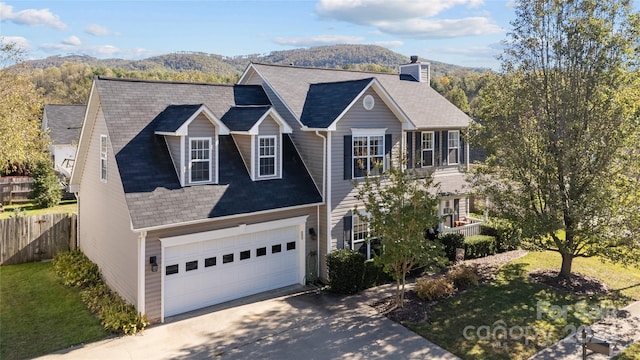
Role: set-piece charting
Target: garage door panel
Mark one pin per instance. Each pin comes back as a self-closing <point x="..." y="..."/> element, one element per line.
<point x="205" y="286"/>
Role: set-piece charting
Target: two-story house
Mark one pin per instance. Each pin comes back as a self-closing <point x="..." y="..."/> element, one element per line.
<point x="62" y="123"/>
<point x="195" y="194"/>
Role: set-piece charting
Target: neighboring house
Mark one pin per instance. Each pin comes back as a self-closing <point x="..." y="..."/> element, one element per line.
<point x="196" y="194"/>
<point x="63" y="123"/>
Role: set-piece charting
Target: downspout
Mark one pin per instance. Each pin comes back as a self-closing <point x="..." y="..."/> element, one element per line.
<point x="142" y="266"/>
<point x="324" y="198"/>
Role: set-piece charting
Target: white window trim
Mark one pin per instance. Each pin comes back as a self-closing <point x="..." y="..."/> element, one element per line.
<point x="274" y="156"/>
<point x="368" y="133"/>
<point x="367" y="240"/>
<point x="449" y="148"/>
<point x="422" y="149"/>
<point x="210" y="161"/>
<point x="103" y="158"/>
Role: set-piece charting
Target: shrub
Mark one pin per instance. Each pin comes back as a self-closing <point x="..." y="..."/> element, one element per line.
<point x="46" y="190"/>
<point x="433" y="289"/>
<point x="451" y="242"/>
<point x="74" y="269"/>
<point x="479" y="246"/>
<point x="374" y="275"/>
<point x="508" y="236"/>
<point x="463" y="277"/>
<point x="346" y="271"/>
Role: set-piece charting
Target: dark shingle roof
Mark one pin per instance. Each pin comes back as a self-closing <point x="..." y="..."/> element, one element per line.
<point x="242" y="118"/>
<point x="64" y="122"/>
<point x="174" y="116"/>
<point x="421" y="103"/>
<point x="151" y="186"/>
<point x="326" y="101"/>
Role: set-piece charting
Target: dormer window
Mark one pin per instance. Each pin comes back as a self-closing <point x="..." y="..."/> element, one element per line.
<point x="200" y="165"/>
<point x="267" y="155"/>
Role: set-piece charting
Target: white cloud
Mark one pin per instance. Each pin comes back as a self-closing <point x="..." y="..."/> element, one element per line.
<point x="319" y="40"/>
<point x="390" y="44"/>
<point x="409" y="18"/>
<point x="365" y="12"/>
<point x="20" y="41"/>
<point x="98" y="30"/>
<point x="439" y="29"/>
<point x="31" y="17"/>
<point x="72" y="40"/>
<point x="99" y="51"/>
<point x="490" y="51"/>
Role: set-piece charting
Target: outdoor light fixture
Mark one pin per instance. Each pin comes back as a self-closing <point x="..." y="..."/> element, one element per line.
<point x="154" y="263"/>
<point x="312" y="233"/>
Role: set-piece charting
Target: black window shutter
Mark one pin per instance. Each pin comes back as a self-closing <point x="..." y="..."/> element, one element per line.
<point x="462" y="145"/>
<point x="410" y="150"/>
<point x="388" y="145"/>
<point x="436" y="149"/>
<point x="348" y="226"/>
<point x="348" y="148"/>
<point x="445" y="148"/>
<point x="418" y="149"/>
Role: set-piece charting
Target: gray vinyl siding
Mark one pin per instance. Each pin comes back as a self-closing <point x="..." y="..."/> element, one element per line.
<point x="105" y="234"/>
<point x="201" y="127"/>
<point x="253" y="79"/>
<point x="243" y="142"/>
<point x="173" y="143"/>
<point x="440" y="152"/>
<point x="268" y="127"/>
<point x="153" y="292"/>
<point x="342" y="191"/>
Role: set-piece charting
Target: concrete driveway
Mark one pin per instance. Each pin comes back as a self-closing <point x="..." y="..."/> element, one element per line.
<point x="304" y="323"/>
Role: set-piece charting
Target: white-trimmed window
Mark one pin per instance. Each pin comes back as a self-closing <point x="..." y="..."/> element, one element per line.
<point x="266" y="156"/>
<point x="103" y="158"/>
<point x="360" y="240"/>
<point x="368" y="155"/>
<point x="427" y="145"/>
<point x="200" y="159"/>
<point x="454" y="147"/>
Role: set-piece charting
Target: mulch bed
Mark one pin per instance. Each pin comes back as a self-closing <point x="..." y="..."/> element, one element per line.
<point x="578" y="284"/>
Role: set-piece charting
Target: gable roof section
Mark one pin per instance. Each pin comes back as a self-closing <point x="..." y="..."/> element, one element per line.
<point x="247" y="119"/>
<point x="175" y="119"/>
<point x="326" y="101"/>
<point x="152" y="188"/>
<point x="64" y="122"/>
<point x="424" y="107"/>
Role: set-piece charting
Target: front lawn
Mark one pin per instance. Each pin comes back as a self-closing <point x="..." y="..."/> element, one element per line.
<point x="65" y="207"/>
<point x="38" y="315"/>
<point x="513" y="318"/>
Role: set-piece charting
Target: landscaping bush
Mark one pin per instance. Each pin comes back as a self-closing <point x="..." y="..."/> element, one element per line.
<point x="463" y="277"/>
<point x="74" y="269"/>
<point x="346" y="271"/>
<point x="479" y="246"/>
<point x="46" y="190"/>
<point x="451" y="242"/>
<point x="508" y="236"/>
<point x="433" y="289"/>
<point x="374" y="275"/>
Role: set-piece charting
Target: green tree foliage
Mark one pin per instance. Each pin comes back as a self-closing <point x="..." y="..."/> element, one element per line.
<point x="21" y="139"/>
<point x="561" y="127"/>
<point x="46" y="187"/>
<point x="459" y="99"/>
<point x="400" y="209"/>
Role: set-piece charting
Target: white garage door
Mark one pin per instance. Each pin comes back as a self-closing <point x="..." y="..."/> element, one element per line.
<point x="209" y="272"/>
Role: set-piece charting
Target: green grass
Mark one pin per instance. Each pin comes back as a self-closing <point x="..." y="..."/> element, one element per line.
<point x="38" y="315"/>
<point x="514" y="303"/>
<point x="65" y="207"/>
<point x="630" y="353"/>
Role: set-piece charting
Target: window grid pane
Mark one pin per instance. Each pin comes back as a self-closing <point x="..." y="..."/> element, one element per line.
<point x="267" y="156"/>
<point x="200" y="160"/>
<point x="368" y="155"/>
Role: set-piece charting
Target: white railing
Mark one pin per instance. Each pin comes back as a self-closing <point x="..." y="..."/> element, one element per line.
<point x="467" y="230"/>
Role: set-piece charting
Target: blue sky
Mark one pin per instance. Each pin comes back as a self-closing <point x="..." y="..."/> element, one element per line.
<point x="462" y="32"/>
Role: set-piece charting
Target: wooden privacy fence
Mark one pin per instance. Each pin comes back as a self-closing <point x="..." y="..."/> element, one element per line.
<point x="33" y="238"/>
<point x="15" y="189"/>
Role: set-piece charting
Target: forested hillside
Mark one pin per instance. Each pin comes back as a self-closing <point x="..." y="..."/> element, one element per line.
<point x="67" y="79"/>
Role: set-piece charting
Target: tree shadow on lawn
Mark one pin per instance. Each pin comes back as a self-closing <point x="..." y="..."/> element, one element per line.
<point x="511" y="317"/>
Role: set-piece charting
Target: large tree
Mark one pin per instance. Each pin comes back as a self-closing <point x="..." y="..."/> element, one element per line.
<point x="399" y="208"/>
<point x="21" y="138"/>
<point x="560" y="126"/>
